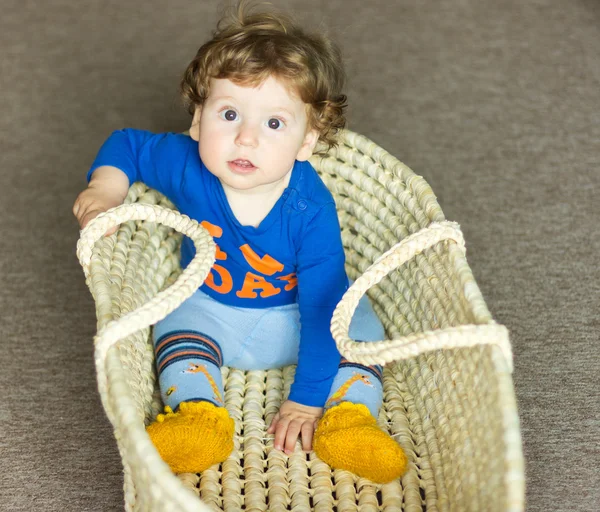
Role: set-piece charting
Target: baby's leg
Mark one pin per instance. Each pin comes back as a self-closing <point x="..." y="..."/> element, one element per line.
<point x="347" y="436"/>
<point x="196" y="431"/>
<point x="188" y="364"/>
<point x="358" y="384"/>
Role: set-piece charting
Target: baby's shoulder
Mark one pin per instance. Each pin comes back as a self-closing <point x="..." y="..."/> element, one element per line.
<point x="176" y="141"/>
<point x="313" y="194"/>
<point x="162" y="144"/>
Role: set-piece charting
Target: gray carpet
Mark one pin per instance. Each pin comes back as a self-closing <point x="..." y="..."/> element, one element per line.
<point x="496" y="104"/>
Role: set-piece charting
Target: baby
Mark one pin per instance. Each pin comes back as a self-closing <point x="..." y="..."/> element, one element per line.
<point x="262" y="94"/>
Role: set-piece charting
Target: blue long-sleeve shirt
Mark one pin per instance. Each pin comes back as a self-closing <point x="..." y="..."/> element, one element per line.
<point x="295" y="254"/>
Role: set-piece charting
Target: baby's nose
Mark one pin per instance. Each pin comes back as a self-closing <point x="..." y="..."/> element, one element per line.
<point x="247" y="135"/>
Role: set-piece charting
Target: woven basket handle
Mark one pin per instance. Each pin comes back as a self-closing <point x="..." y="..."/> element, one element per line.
<point x="382" y="352"/>
<point x="165" y="301"/>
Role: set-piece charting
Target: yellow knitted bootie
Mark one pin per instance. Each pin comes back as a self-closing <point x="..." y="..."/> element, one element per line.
<point x="194" y="438"/>
<point x="347" y="437"/>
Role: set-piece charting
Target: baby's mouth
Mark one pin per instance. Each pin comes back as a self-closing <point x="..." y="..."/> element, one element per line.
<point x="241" y="165"/>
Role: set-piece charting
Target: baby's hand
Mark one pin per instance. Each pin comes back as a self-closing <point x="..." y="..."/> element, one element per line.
<point x="91" y="203"/>
<point x="294" y="419"/>
<point x="107" y="189"/>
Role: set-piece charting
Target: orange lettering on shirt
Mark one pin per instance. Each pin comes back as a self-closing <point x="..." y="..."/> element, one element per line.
<point x="226" y="280"/>
<point x="215" y="232"/>
<point x="212" y="229"/>
<point x="265" y="265"/>
<point x="253" y="282"/>
<point x="292" y="281"/>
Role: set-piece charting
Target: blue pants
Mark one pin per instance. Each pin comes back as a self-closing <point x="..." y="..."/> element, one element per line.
<point x="195" y="340"/>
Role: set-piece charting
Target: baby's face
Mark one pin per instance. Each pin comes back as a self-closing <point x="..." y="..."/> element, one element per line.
<point x="249" y="137"/>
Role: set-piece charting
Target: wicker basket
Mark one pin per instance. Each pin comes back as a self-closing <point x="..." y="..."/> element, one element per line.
<point x="448" y="392"/>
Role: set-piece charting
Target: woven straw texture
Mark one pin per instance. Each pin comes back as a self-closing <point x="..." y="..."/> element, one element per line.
<point x="448" y="393"/>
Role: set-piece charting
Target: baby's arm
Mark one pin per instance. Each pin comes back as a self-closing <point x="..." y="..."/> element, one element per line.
<point x="107" y="189"/>
<point x="128" y="156"/>
<point x="321" y="283"/>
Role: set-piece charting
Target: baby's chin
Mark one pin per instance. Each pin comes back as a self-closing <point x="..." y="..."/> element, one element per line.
<point x="250" y="185"/>
<point x="243" y="183"/>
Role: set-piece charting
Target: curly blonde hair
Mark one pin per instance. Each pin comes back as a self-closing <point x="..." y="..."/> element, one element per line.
<point x="247" y="48"/>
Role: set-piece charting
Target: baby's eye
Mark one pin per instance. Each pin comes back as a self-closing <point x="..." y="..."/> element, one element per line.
<point x="275" y="124"/>
<point x="228" y="115"/>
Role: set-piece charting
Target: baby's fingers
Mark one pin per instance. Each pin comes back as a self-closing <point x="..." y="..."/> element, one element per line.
<point x="111" y="231"/>
<point x="306" y="433"/>
<point x="280" y="433"/>
<point x="88" y="216"/>
<point x="82" y="204"/>
<point x="291" y="436"/>
<point x="273" y="424"/>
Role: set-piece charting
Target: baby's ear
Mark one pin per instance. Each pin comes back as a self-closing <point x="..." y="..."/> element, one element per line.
<point x="308" y="146"/>
<point x="195" y="127"/>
